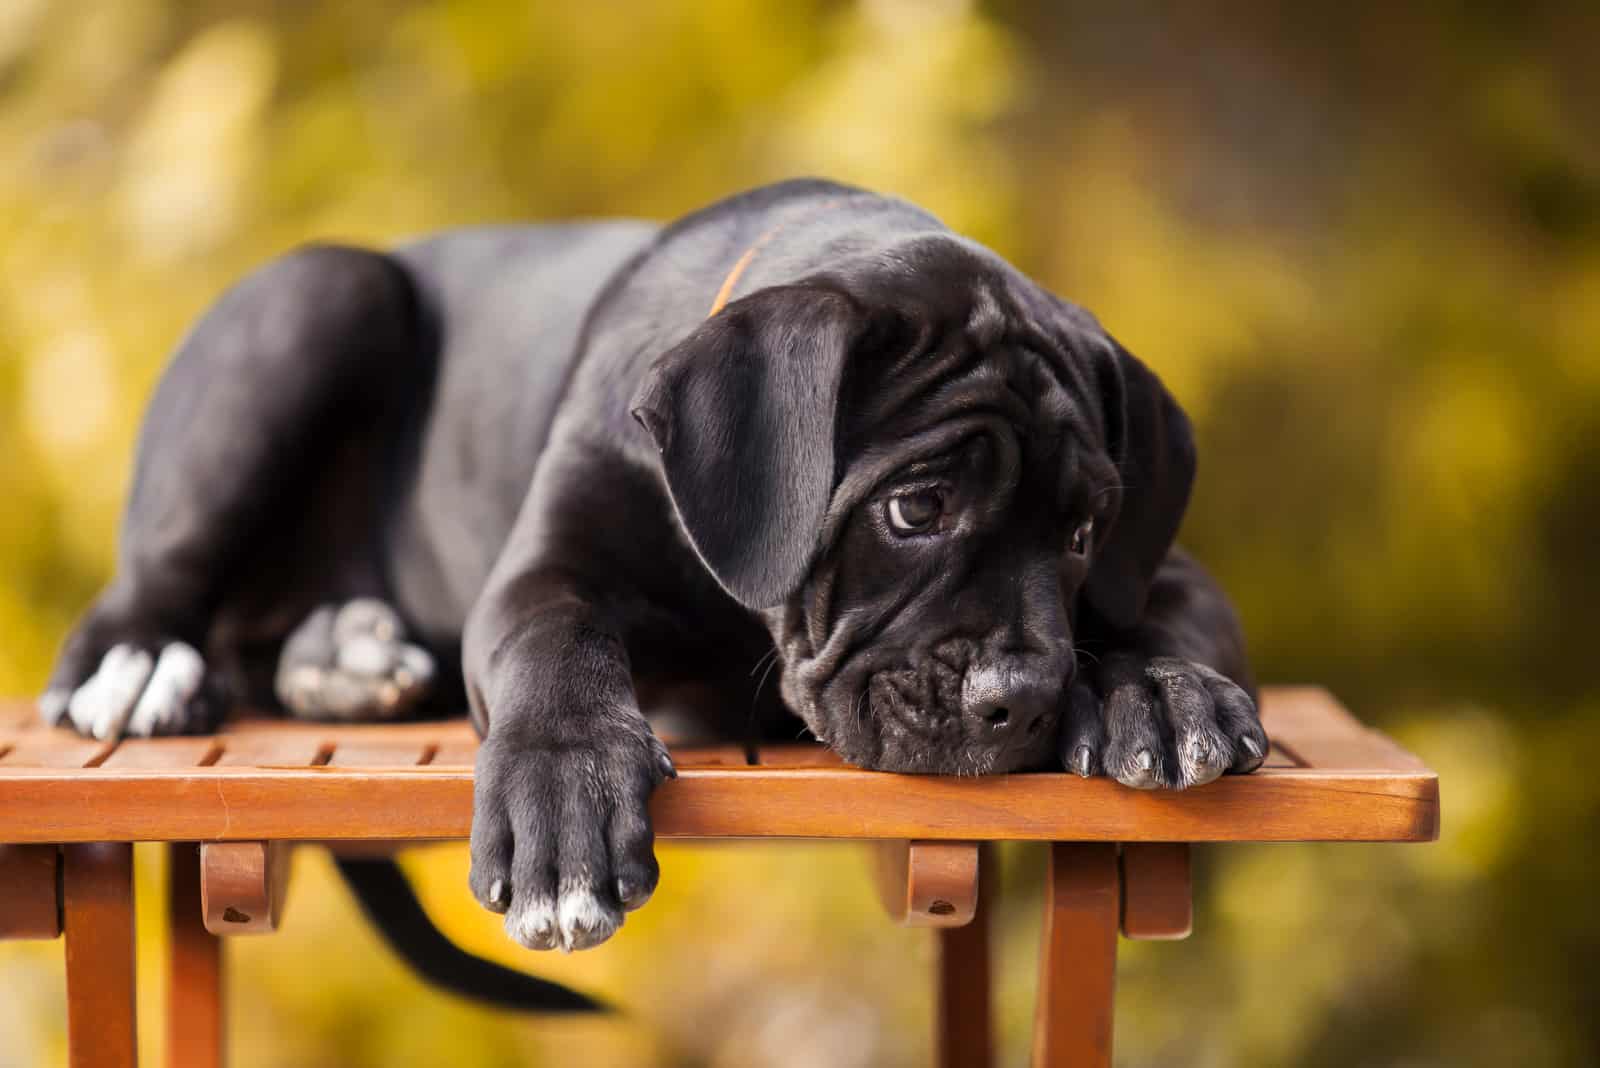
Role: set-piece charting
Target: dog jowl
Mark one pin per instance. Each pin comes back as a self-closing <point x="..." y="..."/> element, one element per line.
<point x="544" y="470"/>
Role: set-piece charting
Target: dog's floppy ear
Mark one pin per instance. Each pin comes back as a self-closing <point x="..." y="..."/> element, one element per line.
<point x="1152" y="444"/>
<point x="743" y="413"/>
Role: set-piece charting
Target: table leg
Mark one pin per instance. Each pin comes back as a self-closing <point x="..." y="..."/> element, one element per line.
<point x="97" y="917"/>
<point x="195" y="1035"/>
<point x="965" y="1038"/>
<point x="1077" y="957"/>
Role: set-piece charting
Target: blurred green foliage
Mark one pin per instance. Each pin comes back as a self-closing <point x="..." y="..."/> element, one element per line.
<point x="1362" y="243"/>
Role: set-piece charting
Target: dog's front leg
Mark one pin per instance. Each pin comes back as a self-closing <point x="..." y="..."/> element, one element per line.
<point x="561" y="837"/>
<point x="1169" y="702"/>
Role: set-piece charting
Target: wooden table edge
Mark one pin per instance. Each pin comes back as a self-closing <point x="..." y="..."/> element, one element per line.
<point x="399" y="804"/>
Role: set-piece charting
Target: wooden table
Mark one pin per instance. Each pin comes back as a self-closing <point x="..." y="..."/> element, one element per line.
<point x="70" y="809"/>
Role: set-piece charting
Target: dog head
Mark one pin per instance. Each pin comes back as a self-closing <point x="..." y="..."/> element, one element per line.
<point x="921" y="469"/>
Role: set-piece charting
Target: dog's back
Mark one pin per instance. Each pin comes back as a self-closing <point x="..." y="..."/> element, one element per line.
<point x="504" y="308"/>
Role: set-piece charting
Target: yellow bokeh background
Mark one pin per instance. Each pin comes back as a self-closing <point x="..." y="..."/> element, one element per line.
<point x="1361" y="243"/>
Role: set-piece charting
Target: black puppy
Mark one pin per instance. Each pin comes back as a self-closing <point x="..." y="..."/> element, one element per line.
<point x="596" y="464"/>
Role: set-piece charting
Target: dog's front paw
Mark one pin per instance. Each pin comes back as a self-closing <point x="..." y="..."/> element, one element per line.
<point x="561" y="838"/>
<point x="1162" y="721"/>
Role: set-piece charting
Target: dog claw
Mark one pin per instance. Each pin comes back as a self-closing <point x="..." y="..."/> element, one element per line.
<point x="1081" y="761"/>
<point x="631" y="895"/>
<point x="1141" y="772"/>
<point x="1251" y="746"/>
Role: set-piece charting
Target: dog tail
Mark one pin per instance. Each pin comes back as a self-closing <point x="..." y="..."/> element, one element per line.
<point x="392" y="907"/>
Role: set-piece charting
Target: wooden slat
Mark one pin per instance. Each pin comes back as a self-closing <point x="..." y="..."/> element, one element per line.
<point x="794" y="755"/>
<point x="380" y="752"/>
<point x="1313" y="728"/>
<point x="287" y="749"/>
<point x="1156" y="898"/>
<point x="164" y="753"/>
<point x="427" y="802"/>
<point x="455" y="755"/>
<point x="30" y="896"/>
<point x="964" y="996"/>
<point x="453" y="732"/>
<point x="455" y="745"/>
<point x="1077" y="958"/>
<point x="97" y="915"/>
<point x="54" y="749"/>
<point x="428" y="730"/>
<point x="196" y="1032"/>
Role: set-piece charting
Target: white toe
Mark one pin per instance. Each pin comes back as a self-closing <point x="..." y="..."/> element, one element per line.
<point x="112" y="692"/>
<point x="584" y="919"/>
<point x="418" y="663"/>
<point x="119" y="693"/>
<point x="84" y="702"/>
<point x="366" y="655"/>
<point x="366" y="616"/>
<point x="176" y="679"/>
<point x="533" y="924"/>
<point x="90" y="699"/>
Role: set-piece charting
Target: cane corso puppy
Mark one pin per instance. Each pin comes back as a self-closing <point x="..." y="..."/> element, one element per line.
<point x="568" y="472"/>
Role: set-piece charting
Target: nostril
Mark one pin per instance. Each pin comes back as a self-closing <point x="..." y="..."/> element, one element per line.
<point x="998" y="717"/>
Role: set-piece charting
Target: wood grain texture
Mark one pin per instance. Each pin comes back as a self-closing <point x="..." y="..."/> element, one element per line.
<point x="1077" y="957"/>
<point x="455" y="754"/>
<point x="243" y="886"/>
<point x="97" y="917"/>
<point x="30" y="897"/>
<point x="222" y="803"/>
<point x="269" y="750"/>
<point x="964" y="997"/>
<point x="1157" y="903"/>
<point x="56" y="750"/>
<point x="928" y="884"/>
<point x="196" y="1028"/>
<point x="1313" y="728"/>
<point x="297" y="781"/>
<point x="155" y="753"/>
<point x="380" y="752"/>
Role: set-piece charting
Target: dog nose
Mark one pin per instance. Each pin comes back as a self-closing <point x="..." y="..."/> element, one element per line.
<point x="1003" y="706"/>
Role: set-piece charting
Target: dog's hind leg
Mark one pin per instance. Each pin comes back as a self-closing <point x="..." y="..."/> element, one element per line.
<point x="289" y="366"/>
<point x="352" y="662"/>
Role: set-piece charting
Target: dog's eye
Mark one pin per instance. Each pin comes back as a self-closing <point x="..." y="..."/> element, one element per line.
<point x="1081" y="537"/>
<point x="915" y="513"/>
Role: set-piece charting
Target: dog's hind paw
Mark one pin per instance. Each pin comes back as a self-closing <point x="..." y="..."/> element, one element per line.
<point x="1161" y="722"/>
<point x="136" y="691"/>
<point x="352" y="663"/>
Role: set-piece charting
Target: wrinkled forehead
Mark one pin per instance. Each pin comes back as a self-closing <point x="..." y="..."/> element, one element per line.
<point x="966" y="347"/>
<point x="960" y="332"/>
